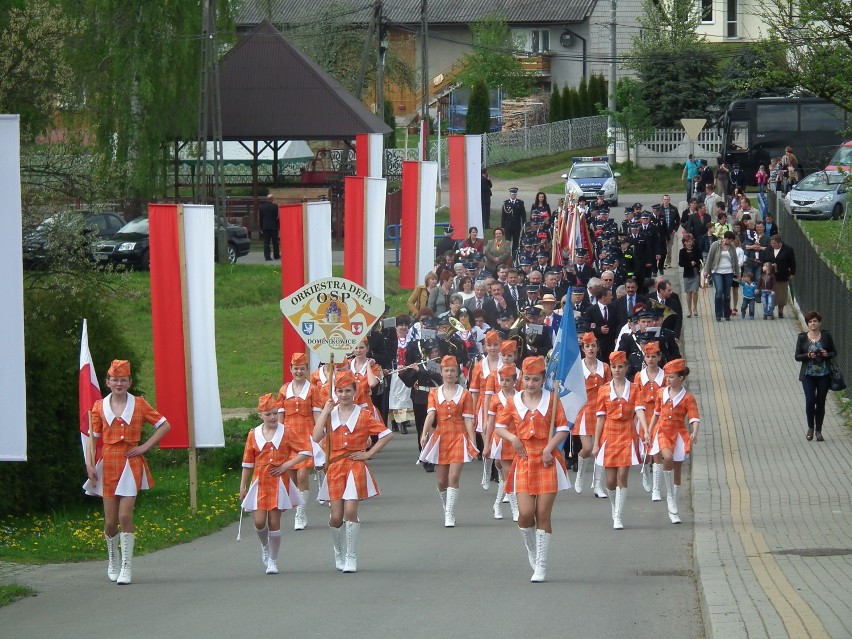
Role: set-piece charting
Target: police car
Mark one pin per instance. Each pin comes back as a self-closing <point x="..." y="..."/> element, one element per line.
<point x="590" y="176"/>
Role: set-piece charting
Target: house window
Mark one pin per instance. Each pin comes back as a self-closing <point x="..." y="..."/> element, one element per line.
<point x="538" y="41"/>
<point x="706" y="8"/>
<point x="733" y="22"/>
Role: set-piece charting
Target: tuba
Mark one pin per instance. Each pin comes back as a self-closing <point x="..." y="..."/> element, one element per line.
<point x="516" y="336"/>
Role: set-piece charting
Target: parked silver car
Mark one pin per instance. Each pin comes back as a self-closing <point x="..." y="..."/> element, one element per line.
<point x="821" y="195"/>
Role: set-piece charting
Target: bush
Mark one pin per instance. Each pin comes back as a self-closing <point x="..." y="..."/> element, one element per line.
<point x="478" y="110"/>
<point x="54" y="473"/>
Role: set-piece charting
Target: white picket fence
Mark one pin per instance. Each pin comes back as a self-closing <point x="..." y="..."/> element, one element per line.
<point x="672" y="146"/>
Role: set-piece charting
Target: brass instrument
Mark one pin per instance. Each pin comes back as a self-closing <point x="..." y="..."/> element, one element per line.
<point x="667" y="312"/>
<point x="455" y="327"/>
<point x="515" y="334"/>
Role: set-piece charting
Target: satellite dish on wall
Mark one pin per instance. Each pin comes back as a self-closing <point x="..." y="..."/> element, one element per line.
<point x="566" y="40"/>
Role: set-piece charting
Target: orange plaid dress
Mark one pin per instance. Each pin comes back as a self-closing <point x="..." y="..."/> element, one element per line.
<point x="296" y="412"/>
<point x="619" y="443"/>
<point x="450" y="443"/>
<point x="482" y="370"/>
<point x="530" y="475"/>
<point x="347" y="478"/>
<point x="587" y="417"/>
<point x="364" y="395"/>
<point x="500" y="448"/>
<point x="670" y="430"/>
<point x="123" y="476"/>
<point x="268" y="492"/>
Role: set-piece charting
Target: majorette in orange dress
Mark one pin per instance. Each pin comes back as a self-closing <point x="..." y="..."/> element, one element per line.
<point x="500" y="448"/>
<point x="347" y="478"/>
<point x="530" y="475"/>
<point x="121" y="476"/>
<point x="482" y="370"/>
<point x="670" y="430"/>
<point x="619" y="442"/>
<point x="268" y="492"/>
<point x="296" y="412"/>
<point x="449" y="443"/>
<point x="587" y="417"/>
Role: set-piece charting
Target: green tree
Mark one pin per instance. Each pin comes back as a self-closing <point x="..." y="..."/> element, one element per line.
<point x="599" y="93"/>
<point x="492" y="60"/>
<point x="568" y="110"/>
<point x="815" y="38"/>
<point x="675" y="68"/>
<point x="755" y="71"/>
<point x="583" y="99"/>
<point x="390" y="120"/>
<point x="34" y="73"/>
<point x="554" y="113"/>
<point x="632" y="115"/>
<point x="478" y="110"/>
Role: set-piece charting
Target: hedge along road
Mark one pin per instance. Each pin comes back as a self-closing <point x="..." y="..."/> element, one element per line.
<point x="415" y="577"/>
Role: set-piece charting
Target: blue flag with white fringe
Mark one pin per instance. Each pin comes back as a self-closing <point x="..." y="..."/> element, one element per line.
<point x="566" y="367"/>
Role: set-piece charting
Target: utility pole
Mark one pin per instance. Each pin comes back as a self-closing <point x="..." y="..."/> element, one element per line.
<point x="424" y="71"/>
<point x="380" y="63"/>
<point x="613" y="49"/>
<point x="365" y="54"/>
<point x="210" y="113"/>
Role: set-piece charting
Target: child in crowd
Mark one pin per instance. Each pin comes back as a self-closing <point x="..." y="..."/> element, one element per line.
<point x="749" y="290"/>
<point x="762" y="178"/>
<point x="767" y="290"/>
<point x="706" y="240"/>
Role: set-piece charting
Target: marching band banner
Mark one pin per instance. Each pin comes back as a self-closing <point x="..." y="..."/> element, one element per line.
<point x="332" y="316"/>
<point x="417" y="233"/>
<point x="465" y="168"/>
<point x="306" y="232"/>
<point x="364" y="233"/>
<point x="13" y="388"/>
<point x="369" y="149"/>
<point x="182" y="246"/>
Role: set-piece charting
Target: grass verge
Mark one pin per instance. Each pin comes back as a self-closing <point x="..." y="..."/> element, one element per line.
<point x="833" y="243"/>
<point x="540" y="165"/>
<point x="162" y="517"/>
<point x="10" y="593"/>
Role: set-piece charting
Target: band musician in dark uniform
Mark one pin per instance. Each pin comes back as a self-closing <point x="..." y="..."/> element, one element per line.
<point x="514" y="218"/>
<point x="421" y="377"/>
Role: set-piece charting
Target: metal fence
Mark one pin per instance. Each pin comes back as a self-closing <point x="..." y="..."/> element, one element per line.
<point x="543" y="139"/>
<point x="817" y="285"/>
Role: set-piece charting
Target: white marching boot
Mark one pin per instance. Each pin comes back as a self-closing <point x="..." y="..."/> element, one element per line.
<point x="582" y="466"/>
<point x="646" y="478"/>
<point x="450" y="512"/>
<point x="612" y="503"/>
<point x="498" y="508"/>
<point x="542" y="543"/>
<point x="528" y="535"/>
<point x="127" y="542"/>
<point x="671" y="496"/>
<point x="114" y="565"/>
<point x="599" y="487"/>
<point x="443" y="495"/>
<point x="486" y="472"/>
<point x="338" y="538"/>
<point x="352" y="529"/>
<point x="657" y="471"/>
<point x="618" y="511"/>
<point x="300" y="521"/>
<point x="513" y="504"/>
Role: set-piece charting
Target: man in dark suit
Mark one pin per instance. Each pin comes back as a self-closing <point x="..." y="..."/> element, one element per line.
<point x="651" y="234"/>
<point x="623" y="307"/>
<point x="578" y="302"/>
<point x="667" y="297"/>
<point x="582" y="271"/>
<point x="496" y="303"/>
<point x="268" y="214"/>
<point x="486" y="199"/>
<point x="514" y="287"/>
<point x="446" y="243"/>
<point x="602" y="322"/>
<point x="671" y="220"/>
<point x="514" y="218"/>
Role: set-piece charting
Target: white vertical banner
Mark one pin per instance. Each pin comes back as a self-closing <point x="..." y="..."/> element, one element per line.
<point x="375" y="197"/>
<point x="473" y="186"/>
<point x="376" y="149"/>
<point x="422" y="146"/>
<point x="13" y="389"/>
<point x="317" y="249"/>
<point x="199" y="243"/>
<point x="426" y="238"/>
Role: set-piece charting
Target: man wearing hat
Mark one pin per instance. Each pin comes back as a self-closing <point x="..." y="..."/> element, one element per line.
<point x="578" y="302"/>
<point x="582" y="271"/>
<point x="537" y="337"/>
<point x="446" y="243"/>
<point x="514" y="218"/>
<point x="532" y="296"/>
<point x="552" y="319"/>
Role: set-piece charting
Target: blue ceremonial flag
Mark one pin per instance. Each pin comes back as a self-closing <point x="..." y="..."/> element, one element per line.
<point x="566" y="366"/>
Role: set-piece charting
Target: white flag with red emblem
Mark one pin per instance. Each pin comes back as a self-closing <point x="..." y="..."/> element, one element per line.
<point x="88" y="392"/>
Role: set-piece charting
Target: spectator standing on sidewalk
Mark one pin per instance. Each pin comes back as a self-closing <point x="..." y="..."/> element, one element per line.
<point x="486" y="199"/>
<point x="723" y="266"/>
<point x="815" y="350"/>
<point x="268" y="215"/>
<point x="784" y="259"/>
<point x="690" y="171"/>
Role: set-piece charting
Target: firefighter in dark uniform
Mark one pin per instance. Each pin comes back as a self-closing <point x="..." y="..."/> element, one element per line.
<point x="514" y="218"/>
<point x="651" y="233"/>
<point x="536" y="342"/>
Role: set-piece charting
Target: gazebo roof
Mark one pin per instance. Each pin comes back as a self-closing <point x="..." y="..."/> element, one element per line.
<point x="270" y="90"/>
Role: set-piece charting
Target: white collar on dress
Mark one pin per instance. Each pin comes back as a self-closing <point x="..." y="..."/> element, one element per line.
<point x="599" y="369"/>
<point x="127" y="415"/>
<point x="276" y="438"/>
<point x="303" y="394"/>
<point x="643" y="376"/>
<point x="455" y="398"/>
<point x="522" y="408"/>
<point x="676" y="399"/>
<point x="355" y="371"/>
<point x="625" y="396"/>
<point x="349" y="423"/>
<point x="486" y="369"/>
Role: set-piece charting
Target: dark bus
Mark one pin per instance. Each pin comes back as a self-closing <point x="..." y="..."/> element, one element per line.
<point x="755" y="131"/>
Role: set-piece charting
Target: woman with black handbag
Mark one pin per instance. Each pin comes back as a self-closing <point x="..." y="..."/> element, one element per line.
<point x="815" y="350"/>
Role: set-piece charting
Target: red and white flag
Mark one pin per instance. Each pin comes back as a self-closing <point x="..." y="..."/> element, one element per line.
<point x="465" y="171"/>
<point x="183" y="323"/>
<point x="417" y="232"/>
<point x="364" y="233"/>
<point x="369" y="148"/>
<point x="88" y="392"/>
